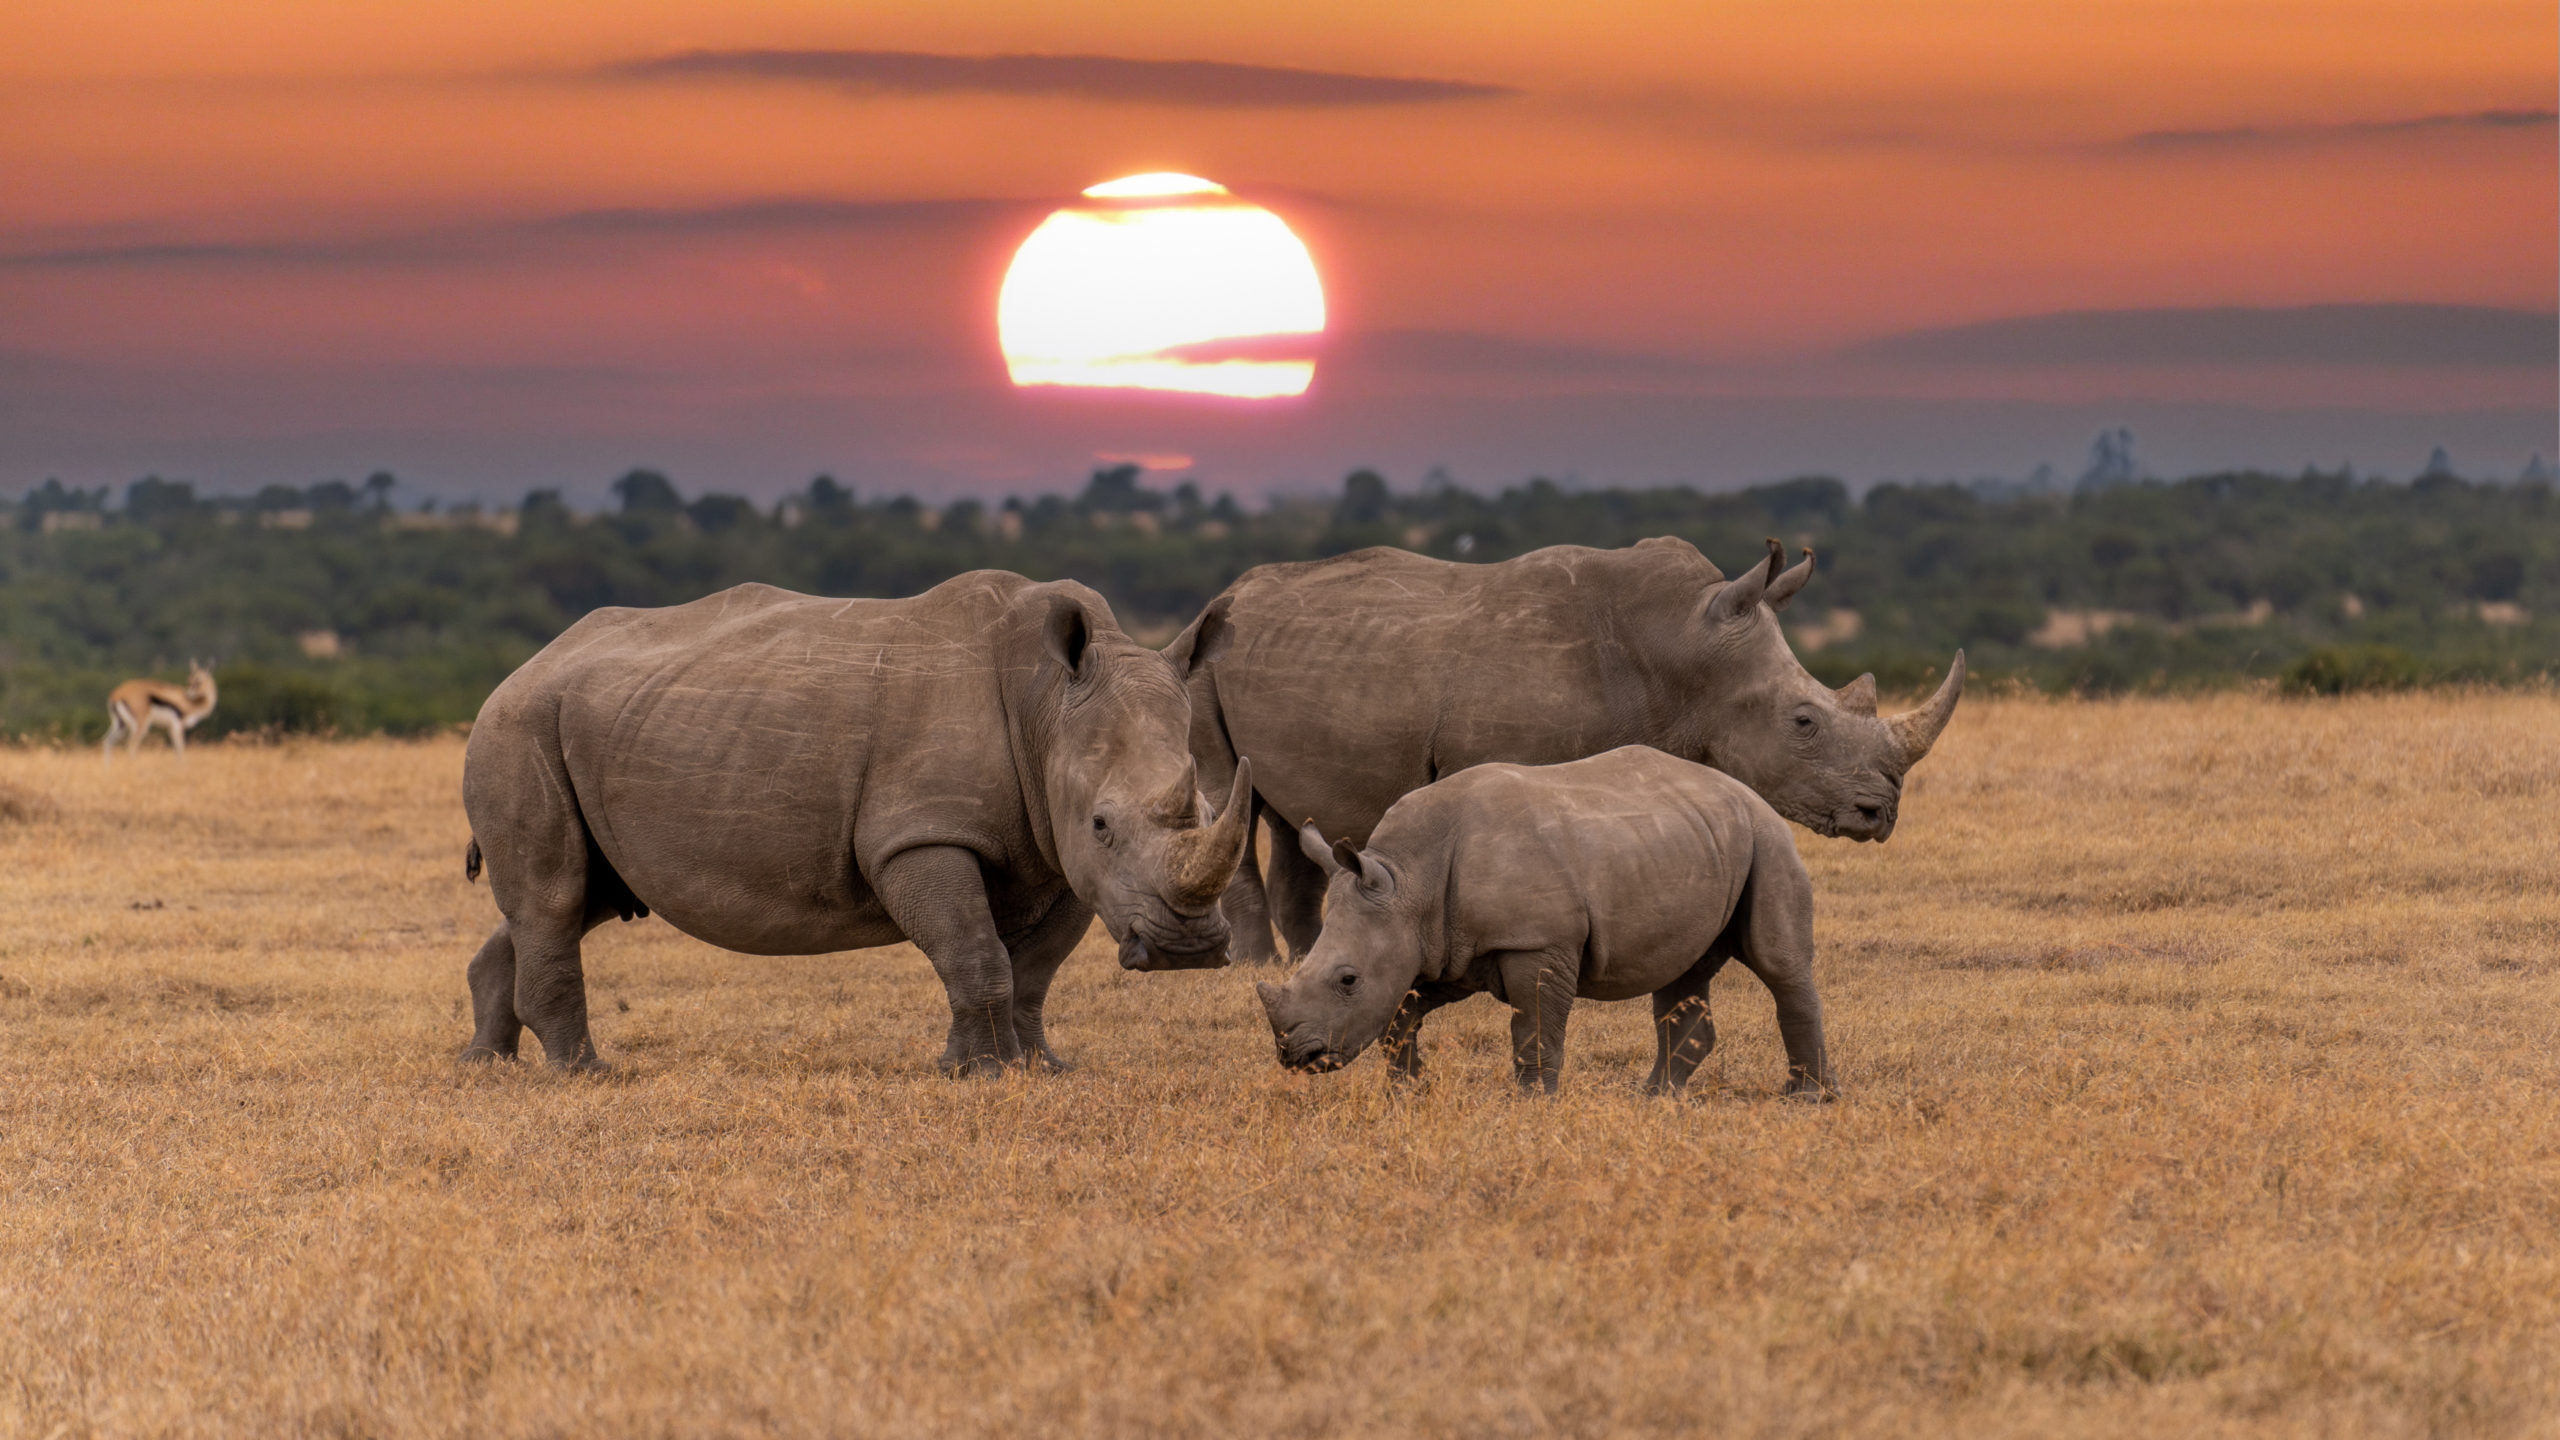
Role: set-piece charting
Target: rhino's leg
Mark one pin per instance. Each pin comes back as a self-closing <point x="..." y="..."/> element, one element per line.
<point x="938" y="897"/>
<point x="1296" y="889"/>
<point x="1037" y="953"/>
<point x="1775" y="931"/>
<point x="1248" y="910"/>
<point x="1402" y="1041"/>
<point x="1684" y="1028"/>
<point x="1539" y="985"/>
<point x="496" y="1028"/>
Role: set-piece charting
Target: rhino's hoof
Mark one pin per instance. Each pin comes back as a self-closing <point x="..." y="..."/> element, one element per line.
<point x="1811" y="1092"/>
<point x="481" y="1055"/>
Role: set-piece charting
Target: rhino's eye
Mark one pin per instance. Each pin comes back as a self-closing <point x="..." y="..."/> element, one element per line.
<point x="1101" y="828"/>
<point x="1347" y="981"/>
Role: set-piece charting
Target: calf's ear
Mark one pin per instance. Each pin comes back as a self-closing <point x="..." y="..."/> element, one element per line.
<point x="1067" y="633"/>
<point x="1312" y="844"/>
<point x="1373" y="873"/>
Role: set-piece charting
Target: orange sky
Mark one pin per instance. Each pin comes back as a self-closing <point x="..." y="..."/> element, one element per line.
<point x="481" y="243"/>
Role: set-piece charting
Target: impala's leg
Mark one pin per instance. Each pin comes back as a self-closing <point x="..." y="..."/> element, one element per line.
<point x="939" y="899"/>
<point x="1776" y="930"/>
<point x="1037" y="952"/>
<point x="178" y="737"/>
<point x="1296" y="888"/>
<point x="1403" y="1040"/>
<point x="115" y="732"/>
<point x="1540" y="985"/>
<point x="1684" y="1028"/>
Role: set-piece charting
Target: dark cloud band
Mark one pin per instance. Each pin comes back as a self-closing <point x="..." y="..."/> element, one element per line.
<point x="1088" y="77"/>
<point x="497" y="238"/>
<point x="2242" y="136"/>
<point x="2416" y="335"/>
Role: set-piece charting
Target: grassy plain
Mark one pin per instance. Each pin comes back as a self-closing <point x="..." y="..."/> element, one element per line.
<point x="2202" y="1062"/>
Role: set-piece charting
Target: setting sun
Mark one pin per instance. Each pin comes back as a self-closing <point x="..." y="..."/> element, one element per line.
<point x="1163" y="282"/>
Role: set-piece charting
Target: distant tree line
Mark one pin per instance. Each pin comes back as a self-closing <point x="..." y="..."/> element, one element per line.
<point x="329" y="609"/>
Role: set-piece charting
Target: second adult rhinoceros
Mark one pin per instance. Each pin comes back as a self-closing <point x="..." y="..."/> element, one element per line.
<point x="978" y="769"/>
<point x="1355" y="680"/>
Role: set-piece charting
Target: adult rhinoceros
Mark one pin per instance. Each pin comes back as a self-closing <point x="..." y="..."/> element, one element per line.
<point x="979" y="769"/>
<point x="1355" y="680"/>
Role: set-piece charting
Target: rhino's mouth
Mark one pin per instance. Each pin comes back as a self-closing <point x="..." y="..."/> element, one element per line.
<point x="1314" y="1061"/>
<point x="1140" y="952"/>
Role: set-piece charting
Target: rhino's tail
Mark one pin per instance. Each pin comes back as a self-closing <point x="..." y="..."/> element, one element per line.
<point x="471" y="861"/>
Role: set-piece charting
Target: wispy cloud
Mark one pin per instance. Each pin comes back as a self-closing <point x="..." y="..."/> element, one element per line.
<point x="480" y="241"/>
<point x="2407" y="335"/>
<point x="1089" y="77"/>
<point x="2324" y="133"/>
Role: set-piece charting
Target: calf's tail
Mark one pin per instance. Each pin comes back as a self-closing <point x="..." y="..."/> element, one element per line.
<point x="471" y="861"/>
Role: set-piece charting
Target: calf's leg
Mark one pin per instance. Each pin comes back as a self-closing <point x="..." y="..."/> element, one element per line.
<point x="1776" y="931"/>
<point x="1539" y="986"/>
<point x="938" y="898"/>
<point x="1402" y="1041"/>
<point x="1684" y="1028"/>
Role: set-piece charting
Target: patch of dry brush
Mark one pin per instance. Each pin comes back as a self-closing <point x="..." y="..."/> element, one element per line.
<point x="2203" y="1072"/>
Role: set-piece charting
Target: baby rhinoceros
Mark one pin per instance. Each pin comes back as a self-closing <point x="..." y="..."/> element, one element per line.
<point x="1630" y="873"/>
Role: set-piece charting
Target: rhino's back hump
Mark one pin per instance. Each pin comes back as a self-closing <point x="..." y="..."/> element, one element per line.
<point x="1399" y="591"/>
<point x="724" y="753"/>
<point x="1356" y="679"/>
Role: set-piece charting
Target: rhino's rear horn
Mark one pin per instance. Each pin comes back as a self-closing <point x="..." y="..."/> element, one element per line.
<point x="1917" y="730"/>
<point x="1205" y="859"/>
<point x="1858" y="697"/>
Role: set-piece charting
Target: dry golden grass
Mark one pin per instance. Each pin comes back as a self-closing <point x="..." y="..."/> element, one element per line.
<point x="2203" y="1070"/>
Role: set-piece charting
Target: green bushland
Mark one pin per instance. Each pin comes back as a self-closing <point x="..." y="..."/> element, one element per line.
<point x="2318" y="584"/>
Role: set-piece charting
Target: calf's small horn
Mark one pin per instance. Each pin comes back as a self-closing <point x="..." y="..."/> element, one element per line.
<point x="1205" y="859"/>
<point x="1917" y="730"/>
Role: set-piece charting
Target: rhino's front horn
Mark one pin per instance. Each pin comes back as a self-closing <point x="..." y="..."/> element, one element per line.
<point x="1917" y="730"/>
<point x="1204" y="860"/>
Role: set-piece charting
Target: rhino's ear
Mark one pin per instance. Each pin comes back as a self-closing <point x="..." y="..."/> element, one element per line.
<point x="1204" y="641"/>
<point x="1312" y="844"/>
<point x="1784" y="588"/>
<point x="1067" y="634"/>
<point x="1738" y="595"/>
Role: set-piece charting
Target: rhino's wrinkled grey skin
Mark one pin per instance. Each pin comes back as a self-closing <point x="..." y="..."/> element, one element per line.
<point x="1630" y="873"/>
<point x="978" y="769"/>
<point x="1355" y="680"/>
